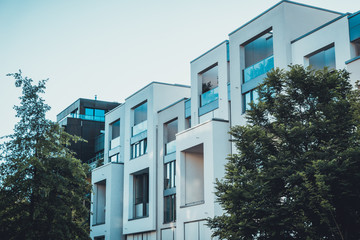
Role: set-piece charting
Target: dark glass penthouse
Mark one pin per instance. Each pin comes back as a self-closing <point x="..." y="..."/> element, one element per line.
<point x="86" y="118"/>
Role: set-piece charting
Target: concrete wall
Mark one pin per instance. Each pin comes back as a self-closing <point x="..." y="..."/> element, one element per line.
<point x="112" y="174"/>
<point x="336" y="33"/>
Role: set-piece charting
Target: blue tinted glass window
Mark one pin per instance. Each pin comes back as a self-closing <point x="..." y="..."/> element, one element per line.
<point x="99" y="112"/>
<point x="89" y="111"/>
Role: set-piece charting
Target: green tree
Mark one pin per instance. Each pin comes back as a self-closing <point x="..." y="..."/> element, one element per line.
<point x="43" y="186"/>
<point x="296" y="174"/>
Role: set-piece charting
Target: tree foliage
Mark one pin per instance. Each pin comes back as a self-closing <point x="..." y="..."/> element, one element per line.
<point x="43" y="186"/>
<point x="297" y="171"/>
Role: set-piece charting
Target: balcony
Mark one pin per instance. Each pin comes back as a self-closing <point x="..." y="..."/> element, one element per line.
<point x="115" y="142"/>
<point x="209" y="96"/>
<point x="87" y="117"/>
<point x="96" y="161"/>
<point x="258" y="69"/>
<point x="139" y="128"/>
<point x="170" y="147"/>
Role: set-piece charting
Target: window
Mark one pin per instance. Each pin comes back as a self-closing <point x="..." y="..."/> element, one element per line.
<point x="140" y="119"/>
<point x="169" y="196"/>
<point x="323" y="58"/>
<point x="141" y="194"/>
<point x="251" y="96"/>
<point x="356" y="45"/>
<point x="210" y="82"/>
<point x="74" y="113"/>
<point x="99" y="238"/>
<point x="170" y="130"/>
<point x="115" y="158"/>
<point x="99" y="203"/>
<point x="258" y="56"/>
<point x="170" y="208"/>
<point x="140" y="113"/>
<point x="188" y="123"/>
<point x="115" y="134"/>
<point x="169" y="175"/>
<point x="89" y="112"/>
<point x="94" y="114"/>
<point x="139" y="148"/>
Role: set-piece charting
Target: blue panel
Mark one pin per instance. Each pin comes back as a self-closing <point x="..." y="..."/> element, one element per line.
<point x="228" y="91"/>
<point x="209" y="96"/>
<point x="245" y="87"/>
<point x="209" y="107"/>
<point x="258" y="68"/>
<point x="354" y="26"/>
<point x="355" y="33"/>
<point x="188" y="108"/>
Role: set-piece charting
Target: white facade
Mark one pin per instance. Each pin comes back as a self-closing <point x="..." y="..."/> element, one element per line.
<point x="167" y="144"/>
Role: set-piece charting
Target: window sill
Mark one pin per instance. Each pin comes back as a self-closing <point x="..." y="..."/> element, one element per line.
<point x="133" y="219"/>
<point x="97" y="224"/>
<point x="138" y="157"/>
<point x="193" y="204"/>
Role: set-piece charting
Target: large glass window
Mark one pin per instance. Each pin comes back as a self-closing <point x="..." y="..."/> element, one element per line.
<point x="141" y="195"/>
<point x="169" y="208"/>
<point x="139" y="148"/>
<point x="140" y="113"/>
<point x="89" y="112"/>
<point x="258" y="56"/>
<point x="323" y="58"/>
<point x="115" y="158"/>
<point x="94" y="114"/>
<point x="251" y="96"/>
<point x="171" y="128"/>
<point x="115" y="134"/>
<point x="140" y="119"/>
<point x="169" y="175"/>
<point x="210" y="82"/>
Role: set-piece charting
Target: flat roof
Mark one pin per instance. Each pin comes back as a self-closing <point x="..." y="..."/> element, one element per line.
<point x="169" y="84"/>
<point x="284" y="1"/>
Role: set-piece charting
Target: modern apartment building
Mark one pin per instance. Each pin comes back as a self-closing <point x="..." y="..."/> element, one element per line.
<point x="85" y="118"/>
<point x="166" y="144"/>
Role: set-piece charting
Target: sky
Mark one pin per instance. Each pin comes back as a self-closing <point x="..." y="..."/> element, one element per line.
<point x="112" y="48"/>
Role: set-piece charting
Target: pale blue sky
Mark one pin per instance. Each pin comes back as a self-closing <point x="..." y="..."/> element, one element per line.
<point x="112" y="48"/>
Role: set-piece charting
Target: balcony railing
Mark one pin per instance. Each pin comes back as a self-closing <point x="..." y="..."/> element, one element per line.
<point x="258" y="68"/>
<point x="96" y="161"/>
<point x="87" y="117"/>
<point x="115" y="142"/>
<point x="170" y="147"/>
<point x="139" y="128"/>
<point x="209" y="96"/>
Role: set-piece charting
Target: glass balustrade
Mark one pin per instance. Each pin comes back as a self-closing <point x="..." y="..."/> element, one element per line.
<point x="170" y="147"/>
<point x="139" y="128"/>
<point x="87" y="117"/>
<point x="258" y="68"/>
<point x="209" y="96"/>
<point x="115" y="142"/>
